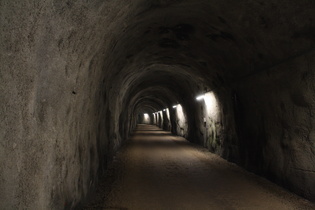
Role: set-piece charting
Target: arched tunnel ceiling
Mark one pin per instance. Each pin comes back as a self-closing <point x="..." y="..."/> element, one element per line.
<point x="171" y="83"/>
<point x="208" y="42"/>
<point x="212" y="41"/>
<point x="73" y="74"/>
<point x="157" y="97"/>
<point x="156" y="103"/>
<point x="165" y="88"/>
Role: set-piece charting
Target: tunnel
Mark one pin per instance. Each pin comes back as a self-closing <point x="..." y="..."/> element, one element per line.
<point x="77" y="76"/>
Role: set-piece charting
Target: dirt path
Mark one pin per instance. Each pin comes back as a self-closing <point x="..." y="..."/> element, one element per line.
<point x="156" y="170"/>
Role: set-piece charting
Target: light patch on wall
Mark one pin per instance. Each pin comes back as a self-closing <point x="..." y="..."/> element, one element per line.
<point x="146" y="118"/>
<point x="161" y="119"/>
<point x="168" y="113"/>
<point x="211" y="122"/>
<point x="211" y="105"/>
<point x="181" y="121"/>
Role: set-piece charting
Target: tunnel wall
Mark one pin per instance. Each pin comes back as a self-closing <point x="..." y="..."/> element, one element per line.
<point x="181" y="122"/>
<point x="56" y="131"/>
<point x="210" y="123"/>
<point x="62" y="117"/>
<point x="160" y="119"/>
<point x="274" y="112"/>
<point x="145" y="119"/>
<point x="166" y="120"/>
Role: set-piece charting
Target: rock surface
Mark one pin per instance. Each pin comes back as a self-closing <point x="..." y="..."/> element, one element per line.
<point x="74" y="75"/>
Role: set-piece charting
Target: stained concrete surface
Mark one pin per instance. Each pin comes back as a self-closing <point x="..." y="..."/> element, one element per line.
<point x="157" y="170"/>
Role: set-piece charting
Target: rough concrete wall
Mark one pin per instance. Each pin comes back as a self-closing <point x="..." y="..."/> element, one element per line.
<point x="181" y="121"/>
<point x="210" y="123"/>
<point x="71" y="72"/>
<point x="154" y="119"/>
<point x="277" y="123"/>
<point x="167" y="121"/>
<point x="229" y="132"/>
<point x="54" y="110"/>
<point x="161" y="119"/>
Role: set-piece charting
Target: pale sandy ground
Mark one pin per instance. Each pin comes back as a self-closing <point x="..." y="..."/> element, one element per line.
<point x="156" y="170"/>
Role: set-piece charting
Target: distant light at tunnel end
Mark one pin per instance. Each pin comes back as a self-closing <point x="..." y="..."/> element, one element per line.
<point x="198" y="98"/>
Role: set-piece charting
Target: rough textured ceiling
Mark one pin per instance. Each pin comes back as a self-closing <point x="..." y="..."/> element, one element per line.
<point x="216" y="42"/>
<point x="73" y="73"/>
